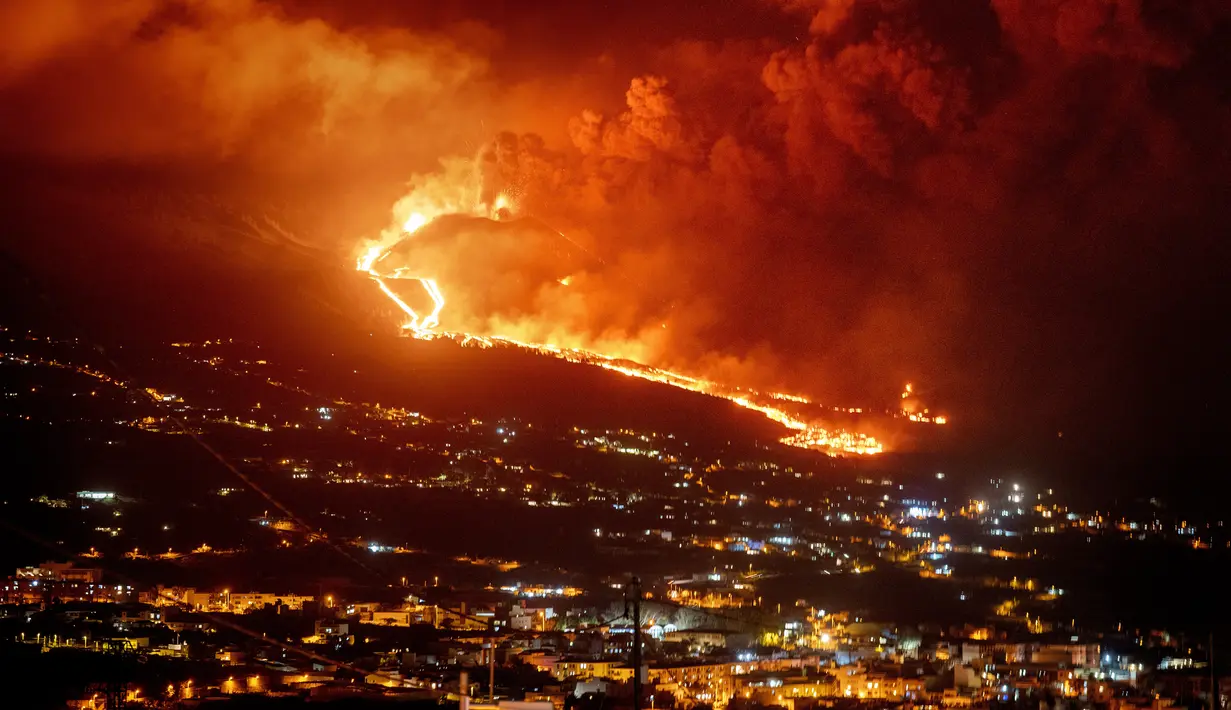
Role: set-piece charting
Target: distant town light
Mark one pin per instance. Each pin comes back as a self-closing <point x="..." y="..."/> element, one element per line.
<point x="95" y="495"/>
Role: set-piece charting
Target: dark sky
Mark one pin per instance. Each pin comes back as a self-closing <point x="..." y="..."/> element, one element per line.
<point x="1020" y="205"/>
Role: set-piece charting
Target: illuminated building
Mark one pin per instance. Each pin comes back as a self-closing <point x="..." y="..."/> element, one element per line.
<point x="522" y="618"/>
<point x="228" y="601"/>
<point x="61" y="572"/>
<point x="585" y="669"/>
<point x="784" y="689"/>
<point x="64" y="582"/>
<point x="693" y="683"/>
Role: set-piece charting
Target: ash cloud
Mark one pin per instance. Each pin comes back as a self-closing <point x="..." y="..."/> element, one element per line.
<point x="989" y="198"/>
<point x="215" y="80"/>
<point x="911" y="192"/>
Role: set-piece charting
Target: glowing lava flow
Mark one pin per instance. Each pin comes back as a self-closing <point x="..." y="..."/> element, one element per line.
<point x="804" y="434"/>
<point x="367" y="263"/>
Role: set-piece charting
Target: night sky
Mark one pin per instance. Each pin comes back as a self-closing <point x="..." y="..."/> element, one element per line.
<point x="1018" y="205"/>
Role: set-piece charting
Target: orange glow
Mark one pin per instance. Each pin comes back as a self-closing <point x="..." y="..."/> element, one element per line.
<point x="911" y="409"/>
<point x="419" y="210"/>
<point x="367" y="262"/>
<point x="414" y="222"/>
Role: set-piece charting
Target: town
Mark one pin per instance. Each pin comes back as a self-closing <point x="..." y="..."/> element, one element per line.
<point x="322" y="545"/>
<point x="556" y="646"/>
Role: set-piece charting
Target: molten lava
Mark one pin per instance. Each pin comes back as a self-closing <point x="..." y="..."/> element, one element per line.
<point x="370" y="262"/>
<point x="805" y="433"/>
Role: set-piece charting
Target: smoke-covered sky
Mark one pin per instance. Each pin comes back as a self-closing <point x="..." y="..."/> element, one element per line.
<point x="1020" y="205"/>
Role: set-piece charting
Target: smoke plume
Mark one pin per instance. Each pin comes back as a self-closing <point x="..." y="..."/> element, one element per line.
<point x="827" y="195"/>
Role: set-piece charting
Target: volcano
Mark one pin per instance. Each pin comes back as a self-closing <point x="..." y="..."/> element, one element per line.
<point x="488" y="269"/>
<point x="167" y="262"/>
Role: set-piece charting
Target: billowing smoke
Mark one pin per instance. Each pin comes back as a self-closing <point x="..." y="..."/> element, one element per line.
<point x="831" y="212"/>
<point x="863" y="193"/>
<point x="208" y="80"/>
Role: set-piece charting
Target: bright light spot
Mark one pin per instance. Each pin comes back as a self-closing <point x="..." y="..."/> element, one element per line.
<point x="414" y="223"/>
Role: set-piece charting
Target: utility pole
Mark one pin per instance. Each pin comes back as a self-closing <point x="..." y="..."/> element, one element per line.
<point x="634" y="590"/>
<point x="116" y="695"/>
<point x="491" y="663"/>
<point x="1213" y="677"/>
